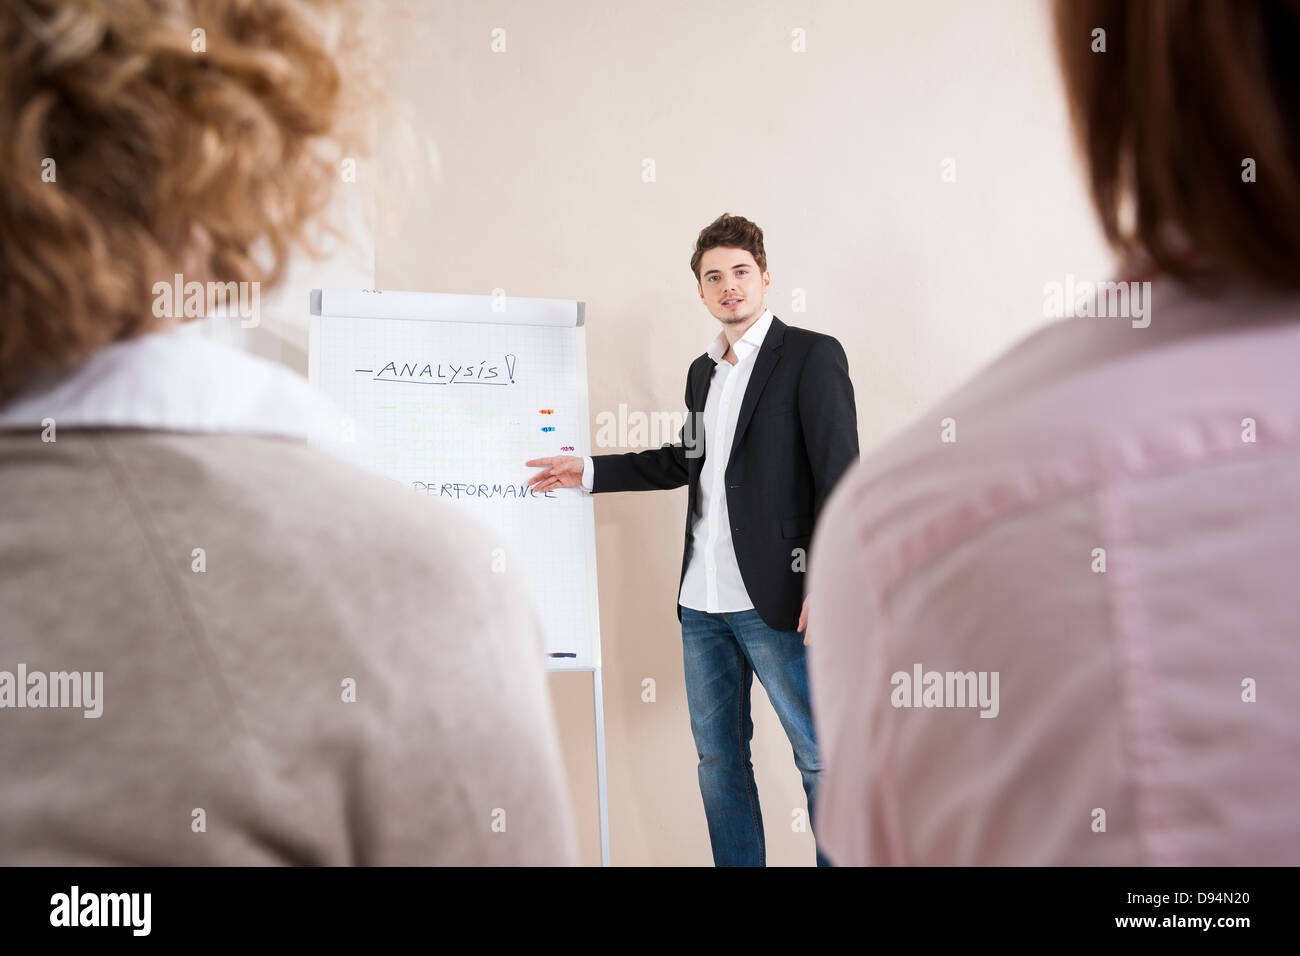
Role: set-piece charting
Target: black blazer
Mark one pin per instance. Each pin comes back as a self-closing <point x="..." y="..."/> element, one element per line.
<point x="796" y="435"/>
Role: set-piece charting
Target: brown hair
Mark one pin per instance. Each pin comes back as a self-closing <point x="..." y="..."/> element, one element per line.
<point x="1167" y="117"/>
<point x="729" y="232"/>
<point x="131" y="155"/>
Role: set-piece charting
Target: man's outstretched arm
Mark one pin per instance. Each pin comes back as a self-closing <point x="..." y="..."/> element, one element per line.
<point x="656" y="469"/>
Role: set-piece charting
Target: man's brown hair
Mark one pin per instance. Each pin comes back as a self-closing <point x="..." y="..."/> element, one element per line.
<point x="729" y="232"/>
<point x="1187" y="104"/>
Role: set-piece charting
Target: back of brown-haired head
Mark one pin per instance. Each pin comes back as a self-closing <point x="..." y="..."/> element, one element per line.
<point x="135" y="147"/>
<point x="1187" y="104"/>
<point x="729" y="232"/>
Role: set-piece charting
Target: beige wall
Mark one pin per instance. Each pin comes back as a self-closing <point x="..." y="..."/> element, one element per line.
<point x="523" y="170"/>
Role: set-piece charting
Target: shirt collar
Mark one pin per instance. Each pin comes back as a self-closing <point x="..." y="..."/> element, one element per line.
<point x="178" y="380"/>
<point x="751" y="341"/>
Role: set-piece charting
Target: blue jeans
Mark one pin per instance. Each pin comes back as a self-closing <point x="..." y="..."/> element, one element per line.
<point x="722" y="653"/>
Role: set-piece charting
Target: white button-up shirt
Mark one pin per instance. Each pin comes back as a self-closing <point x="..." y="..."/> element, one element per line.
<point x="179" y="379"/>
<point x="713" y="582"/>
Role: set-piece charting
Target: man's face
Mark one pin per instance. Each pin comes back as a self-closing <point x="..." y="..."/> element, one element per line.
<point x="731" y="286"/>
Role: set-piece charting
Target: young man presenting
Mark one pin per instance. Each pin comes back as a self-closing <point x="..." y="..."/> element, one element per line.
<point x="771" y="426"/>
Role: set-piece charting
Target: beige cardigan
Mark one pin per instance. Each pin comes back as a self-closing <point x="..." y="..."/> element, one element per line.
<point x="225" y="737"/>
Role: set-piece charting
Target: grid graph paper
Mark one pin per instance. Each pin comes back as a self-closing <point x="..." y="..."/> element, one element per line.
<point x="451" y="399"/>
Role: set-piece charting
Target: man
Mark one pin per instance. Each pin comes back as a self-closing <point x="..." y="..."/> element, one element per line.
<point x="771" y="427"/>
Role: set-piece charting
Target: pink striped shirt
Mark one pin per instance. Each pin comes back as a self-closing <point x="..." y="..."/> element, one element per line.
<point x="1113" y="530"/>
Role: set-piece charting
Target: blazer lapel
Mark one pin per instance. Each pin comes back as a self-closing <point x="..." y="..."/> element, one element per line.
<point x="701" y="377"/>
<point x="769" y="353"/>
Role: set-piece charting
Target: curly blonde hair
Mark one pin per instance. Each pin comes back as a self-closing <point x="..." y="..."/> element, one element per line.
<point x="147" y="137"/>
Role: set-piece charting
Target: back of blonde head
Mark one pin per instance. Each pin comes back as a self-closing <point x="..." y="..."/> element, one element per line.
<point x="147" y="137"/>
